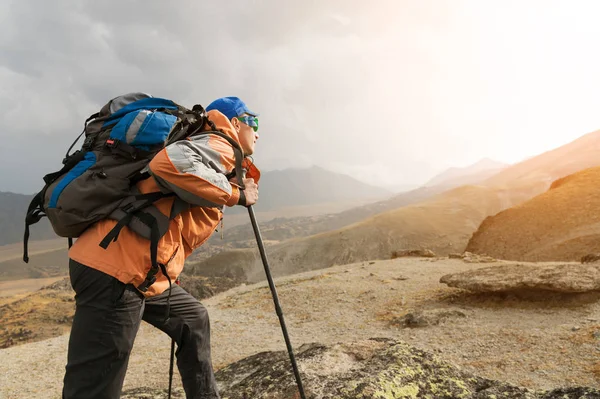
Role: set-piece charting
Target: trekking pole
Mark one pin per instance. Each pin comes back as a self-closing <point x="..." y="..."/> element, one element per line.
<point x="278" y="310"/>
<point x="171" y="366"/>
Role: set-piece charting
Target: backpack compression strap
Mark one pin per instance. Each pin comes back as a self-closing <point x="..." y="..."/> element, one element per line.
<point x="36" y="211"/>
<point x="89" y="141"/>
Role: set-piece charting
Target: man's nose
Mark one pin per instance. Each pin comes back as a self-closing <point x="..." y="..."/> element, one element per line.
<point x="256" y="135"/>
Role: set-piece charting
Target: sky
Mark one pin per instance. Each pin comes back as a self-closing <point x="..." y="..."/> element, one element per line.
<point x="390" y="92"/>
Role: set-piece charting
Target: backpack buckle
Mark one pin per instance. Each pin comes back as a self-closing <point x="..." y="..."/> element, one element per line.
<point x="111" y="143"/>
<point x="127" y="208"/>
<point x="88" y="142"/>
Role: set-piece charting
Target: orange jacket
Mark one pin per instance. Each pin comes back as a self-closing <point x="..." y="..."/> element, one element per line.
<point x="194" y="170"/>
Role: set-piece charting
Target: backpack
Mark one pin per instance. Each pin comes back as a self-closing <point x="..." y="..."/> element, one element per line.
<point x="99" y="180"/>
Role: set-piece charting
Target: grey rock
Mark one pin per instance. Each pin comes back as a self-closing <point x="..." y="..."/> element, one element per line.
<point x="564" y="278"/>
<point x="425" y="253"/>
<point x="590" y="258"/>
<point x="377" y="368"/>
<point x="371" y="369"/>
<point x="424" y="318"/>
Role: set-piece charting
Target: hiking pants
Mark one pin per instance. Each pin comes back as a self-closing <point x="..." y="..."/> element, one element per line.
<point x="107" y="317"/>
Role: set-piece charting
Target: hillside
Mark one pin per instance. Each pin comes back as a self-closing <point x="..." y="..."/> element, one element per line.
<point x="560" y="224"/>
<point x="42" y="264"/>
<point x="547" y="167"/>
<point x="472" y="174"/>
<point x="13" y="208"/>
<point x="532" y="176"/>
<point x="443" y="224"/>
<point x="284" y="228"/>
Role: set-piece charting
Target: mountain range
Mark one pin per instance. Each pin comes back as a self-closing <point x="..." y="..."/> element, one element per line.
<point x="471" y="174"/>
<point x="278" y="190"/>
<point x="443" y="217"/>
<point x="443" y="222"/>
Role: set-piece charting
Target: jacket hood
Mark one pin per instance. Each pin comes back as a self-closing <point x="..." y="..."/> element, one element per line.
<point x="223" y="124"/>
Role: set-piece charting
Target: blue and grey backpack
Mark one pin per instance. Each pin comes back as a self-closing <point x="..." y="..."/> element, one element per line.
<point x="98" y="181"/>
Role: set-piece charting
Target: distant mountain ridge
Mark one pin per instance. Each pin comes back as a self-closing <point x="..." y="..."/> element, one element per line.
<point x="472" y="174"/>
<point x="315" y="185"/>
<point x="577" y="155"/>
<point x="278" y="189"/>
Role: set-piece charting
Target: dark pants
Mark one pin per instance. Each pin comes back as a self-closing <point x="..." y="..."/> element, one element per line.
<point x="107" y="317"/>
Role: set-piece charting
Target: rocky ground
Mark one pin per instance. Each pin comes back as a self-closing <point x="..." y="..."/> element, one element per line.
<point x="537" y="342"/>
<point x="370" y="369"/>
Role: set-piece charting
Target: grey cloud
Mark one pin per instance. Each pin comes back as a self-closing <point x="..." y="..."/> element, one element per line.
<point x="315" y="70"/>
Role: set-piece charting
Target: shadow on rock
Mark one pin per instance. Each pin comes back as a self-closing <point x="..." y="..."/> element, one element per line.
<point x="518" y="299"/>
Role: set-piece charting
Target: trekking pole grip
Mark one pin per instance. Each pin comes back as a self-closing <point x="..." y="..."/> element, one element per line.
<point x="278" y="310"/>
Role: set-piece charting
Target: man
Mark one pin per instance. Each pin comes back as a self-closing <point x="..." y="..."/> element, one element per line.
<point x="109" y="308"/>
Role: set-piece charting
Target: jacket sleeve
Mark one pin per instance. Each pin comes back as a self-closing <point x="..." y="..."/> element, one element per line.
<point x="195" y="172"/>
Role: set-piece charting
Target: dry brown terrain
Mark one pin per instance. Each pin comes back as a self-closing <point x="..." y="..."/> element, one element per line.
<point x="443" y="224"/>
<point x="46" y="313"/>
<point x="560" y="224"/>
<point x="541" y="342"/>
<point x="39" y="309"/>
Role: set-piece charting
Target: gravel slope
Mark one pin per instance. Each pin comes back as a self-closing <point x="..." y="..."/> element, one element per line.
<point x="536" y="342"/>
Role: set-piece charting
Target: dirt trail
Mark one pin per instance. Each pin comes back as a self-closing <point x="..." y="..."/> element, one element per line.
<point x="537" y="343"/>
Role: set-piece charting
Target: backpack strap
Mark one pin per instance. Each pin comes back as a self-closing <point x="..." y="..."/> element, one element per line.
<point x="135" y="211"/>
<point x="151" y="222"/>
<point x="35" y="213"/>
<point x="237" y="151"/>
<point x="131" y="210"/>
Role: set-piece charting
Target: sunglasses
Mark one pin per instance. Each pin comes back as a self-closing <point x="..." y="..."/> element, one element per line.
<point x="251" y="121"/>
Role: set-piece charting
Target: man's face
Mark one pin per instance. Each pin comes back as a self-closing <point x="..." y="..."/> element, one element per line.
<point x="246" y="133"/>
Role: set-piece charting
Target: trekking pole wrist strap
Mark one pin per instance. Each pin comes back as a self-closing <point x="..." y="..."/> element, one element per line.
<point x="242" y="200"/>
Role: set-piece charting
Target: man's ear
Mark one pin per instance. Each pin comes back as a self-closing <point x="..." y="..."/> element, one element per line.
<point x="236" y="123"/>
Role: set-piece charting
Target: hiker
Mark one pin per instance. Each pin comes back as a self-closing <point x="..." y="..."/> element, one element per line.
<point x="109" y="307"/>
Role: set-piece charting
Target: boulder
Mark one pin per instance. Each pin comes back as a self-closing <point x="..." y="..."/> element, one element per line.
<point x="590" y="258"/>
<point x="425" y="253"/>
<point x="60" y="285"/>
<point x="562" y="278"/>
<point x="469" y="257"/>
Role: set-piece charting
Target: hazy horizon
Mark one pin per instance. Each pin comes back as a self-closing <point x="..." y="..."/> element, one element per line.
<point x="391" y="94"/>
